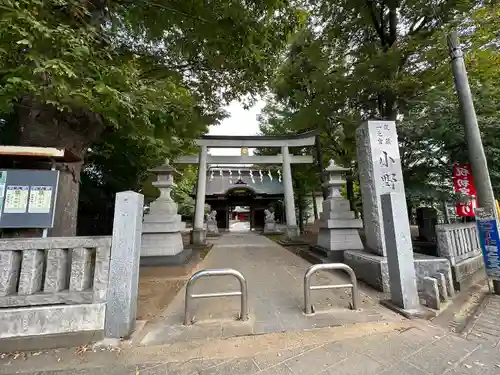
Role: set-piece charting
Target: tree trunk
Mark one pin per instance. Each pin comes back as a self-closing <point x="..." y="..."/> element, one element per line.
<point x="45" y="126"/>
<point x="349" y="187"/>
<point x="301" y="215"/>
<point x="315" y="206"/>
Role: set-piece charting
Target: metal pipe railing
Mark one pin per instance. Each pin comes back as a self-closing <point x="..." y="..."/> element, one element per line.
<point x="308" y="308"/>
<point x="216" y="272"/>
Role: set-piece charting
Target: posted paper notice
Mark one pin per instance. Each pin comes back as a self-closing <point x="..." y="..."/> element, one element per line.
<point x="16" y="199"/>
<point x="40" y="199"/>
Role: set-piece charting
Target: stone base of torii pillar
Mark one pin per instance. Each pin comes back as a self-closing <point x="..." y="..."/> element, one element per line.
<point x="161" y="230"/>
<point x="338" y="227"/>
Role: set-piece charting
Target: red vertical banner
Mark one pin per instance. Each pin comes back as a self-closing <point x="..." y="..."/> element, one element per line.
<point x="463" y="182"/>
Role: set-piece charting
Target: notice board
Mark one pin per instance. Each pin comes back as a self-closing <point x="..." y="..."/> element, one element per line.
<point x="28" y="198"/>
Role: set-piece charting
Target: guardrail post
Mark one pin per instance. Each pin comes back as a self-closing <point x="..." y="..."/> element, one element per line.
<point x="243" y="293"/>
<point x="329" y="266"/>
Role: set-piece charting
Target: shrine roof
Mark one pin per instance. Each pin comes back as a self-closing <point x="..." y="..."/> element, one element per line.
<point x="221" y="185"/>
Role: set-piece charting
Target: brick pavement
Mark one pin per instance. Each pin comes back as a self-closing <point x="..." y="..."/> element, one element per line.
<point x="275" y="284"/>
<point x="400" y="348"/>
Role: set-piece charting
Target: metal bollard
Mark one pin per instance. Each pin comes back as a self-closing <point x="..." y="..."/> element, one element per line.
<point x="216" y="272"/>
<point x="328" y="266"/>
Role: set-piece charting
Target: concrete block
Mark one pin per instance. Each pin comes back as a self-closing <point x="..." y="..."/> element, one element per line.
<point x="370" y="268"/>
<point x="47" y="320"/>
<point x="431" y="293"/>
<point x="30" y="280"/>
<point x="121" y="307"/>
<point x="427" y="265"/>
<point x="10" y="267"/>
<point x="442" y="286"/>
<point x="449" y="281"/>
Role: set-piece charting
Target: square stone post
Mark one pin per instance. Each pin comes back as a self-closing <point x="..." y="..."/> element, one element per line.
<point x="379" y="173"/>
<point x="121" y="306"/>
<point x="292" y="231"/>
<point x="198" y="236"/>
<point x="402" y="277"/>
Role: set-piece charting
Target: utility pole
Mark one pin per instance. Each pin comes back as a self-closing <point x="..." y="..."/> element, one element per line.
<point x="477" y="157"/>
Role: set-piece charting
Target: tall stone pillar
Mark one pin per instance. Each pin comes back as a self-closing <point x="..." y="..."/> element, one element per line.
<point x="198" y="236"/>
<point x="379" y="173"/>
<point x="292" y="231"/>
<point x="161" y="231"/>
<point x="379" y="167"/>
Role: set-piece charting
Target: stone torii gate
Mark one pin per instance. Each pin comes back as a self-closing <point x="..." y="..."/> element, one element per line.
<point x="198" y="235"/>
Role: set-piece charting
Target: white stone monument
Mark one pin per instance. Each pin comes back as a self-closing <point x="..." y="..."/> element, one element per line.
<point x="269" y="222"/>
<point x="338" y="227"/>
<point x="161" y="232"/>
<point x="212" y="227"/>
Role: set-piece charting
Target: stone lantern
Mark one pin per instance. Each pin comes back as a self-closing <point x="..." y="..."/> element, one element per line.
<point x="161" y="230"/>
<point x="338" y="227"/>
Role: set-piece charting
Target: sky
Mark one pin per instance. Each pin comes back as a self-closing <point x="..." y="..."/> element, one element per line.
<point x="240" y="122"/>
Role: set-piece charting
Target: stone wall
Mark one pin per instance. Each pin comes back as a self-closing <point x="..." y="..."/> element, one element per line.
<point x="53" y="285"/>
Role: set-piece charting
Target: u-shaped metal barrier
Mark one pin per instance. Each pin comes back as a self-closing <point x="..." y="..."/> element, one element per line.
<point x="216" y="272"/>
<point x="308" y="309"/>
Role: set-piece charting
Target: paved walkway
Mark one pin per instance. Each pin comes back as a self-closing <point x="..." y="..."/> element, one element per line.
<point x="398" y="348"/>
<point x="485" y="326"/>
<point x="275" y="283"/>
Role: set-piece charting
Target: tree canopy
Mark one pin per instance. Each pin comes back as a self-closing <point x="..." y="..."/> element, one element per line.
<point x="156" y="69"/>
<point x="360" y="60"/>
<point x="125" y="83"/>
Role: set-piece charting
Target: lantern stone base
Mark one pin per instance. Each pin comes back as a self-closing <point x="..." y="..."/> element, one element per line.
<point x="162" y="248"/>
<point x="337" y="240"/>
<point x="170" y="260"/>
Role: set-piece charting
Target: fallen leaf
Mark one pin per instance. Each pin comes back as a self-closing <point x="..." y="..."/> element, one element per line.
<point x="467" y="366"/>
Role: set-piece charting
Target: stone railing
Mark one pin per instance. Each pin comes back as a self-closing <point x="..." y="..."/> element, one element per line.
<point x="458" y="242"/>
<point x="53" y="285"/>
